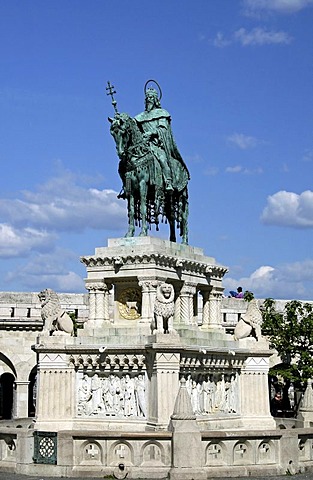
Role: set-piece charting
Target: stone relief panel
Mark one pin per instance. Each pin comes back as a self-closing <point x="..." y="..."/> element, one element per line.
<point x="92" y="453"/>
<point x="266" y="452"/>
<point x="242" y="453"/>
<point x="129" y="303"/>
<point x="121" y="452"/>
<point x="153" y="454"/>
<point x="213" y="393"/>
<point x="215" y="454"/>
<point x="111" y="395"/>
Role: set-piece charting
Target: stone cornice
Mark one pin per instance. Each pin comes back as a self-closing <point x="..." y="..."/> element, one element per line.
<point x="157" y="259"/>
<point x="26" y="325"/>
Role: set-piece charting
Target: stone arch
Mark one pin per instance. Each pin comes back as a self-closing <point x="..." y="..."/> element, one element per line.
<point x="7" y="377"/>
<point x="266" y="452"/>
<point x="242" y="453"/>
<point x="215" y="453"/>
<point x="152" y="452"/>
<point x="6" y="365"/>
<point x="121" y="452"/>
<point x="91" y="453"/>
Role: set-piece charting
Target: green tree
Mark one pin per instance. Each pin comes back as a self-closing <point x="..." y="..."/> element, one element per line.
<point x="290" y="333"/>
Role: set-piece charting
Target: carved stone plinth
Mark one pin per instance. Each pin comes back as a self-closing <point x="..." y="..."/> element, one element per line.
<point x="134" y="267"/>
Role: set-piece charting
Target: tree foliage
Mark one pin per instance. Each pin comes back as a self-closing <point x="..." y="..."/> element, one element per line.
<point x="290" y="333"/>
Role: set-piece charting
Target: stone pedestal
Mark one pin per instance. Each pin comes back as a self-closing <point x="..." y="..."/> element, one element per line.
<point x="164" y="360"/>
<point x="56" y="387"/>
<point x="254" y="392"/>
<point x="134" y="267"/>
<point x="187" y="446"/>
<point x="305" y="415"/>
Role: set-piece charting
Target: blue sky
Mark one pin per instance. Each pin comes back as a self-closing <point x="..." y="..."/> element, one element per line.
<point x="236" y="76"/>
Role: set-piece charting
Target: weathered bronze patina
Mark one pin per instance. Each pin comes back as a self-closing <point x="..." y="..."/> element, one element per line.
<point x="154" y="175"/>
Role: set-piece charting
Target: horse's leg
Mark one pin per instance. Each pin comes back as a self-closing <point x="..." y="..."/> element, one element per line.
<point x="184" y="220"/>
<point x="143" y="188"/>
<point x="171" y="216"/>
<point x="131" y="216"/>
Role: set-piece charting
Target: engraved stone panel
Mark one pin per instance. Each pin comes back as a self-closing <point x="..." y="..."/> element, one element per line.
<point x="213" y="393"/>
<point x="111" y="395"/>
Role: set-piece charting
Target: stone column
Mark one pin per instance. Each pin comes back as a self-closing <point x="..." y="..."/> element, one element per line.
<point x="212" y="310"/>
<point x="20" y="404"/>
<point x="186" y="303"/>
<point x="148" y="287"/>
<point x="163" y="387"/>
<point x="254" y="394"/>
<point x="205" y="308"/>
<point x="98" y="305"/>
<point x="92" y="302"/>
<point x="56" y="396"/>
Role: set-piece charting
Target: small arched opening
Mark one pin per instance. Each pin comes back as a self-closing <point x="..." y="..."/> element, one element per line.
<point x="6" y="395"/>
<point x="32" y="392"/>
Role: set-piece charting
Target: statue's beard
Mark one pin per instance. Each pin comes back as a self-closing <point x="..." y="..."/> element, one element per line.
<point x="149" y="106"/>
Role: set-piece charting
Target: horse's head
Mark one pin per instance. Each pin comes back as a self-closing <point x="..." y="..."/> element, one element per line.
<point x="121" y="129"/>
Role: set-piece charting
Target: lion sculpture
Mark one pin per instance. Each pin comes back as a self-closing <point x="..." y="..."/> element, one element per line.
<point x="56" y="320"/>
<point x="249" y="323"/>
<point x="164" y="309"/>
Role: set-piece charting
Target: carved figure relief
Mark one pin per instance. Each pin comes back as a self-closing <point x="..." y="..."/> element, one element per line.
<point x="164" y="308"/>
<point x="56" y="320"/>
<point x="213" y="393"/>
<point x="129" y="303"/>
<point x="111" y="395"/>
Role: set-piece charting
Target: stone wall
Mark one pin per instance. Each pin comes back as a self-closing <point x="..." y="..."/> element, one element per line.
<point x="152" y="454"/>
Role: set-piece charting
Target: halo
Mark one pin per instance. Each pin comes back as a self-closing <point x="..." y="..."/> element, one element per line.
<point x="159" y="88"/>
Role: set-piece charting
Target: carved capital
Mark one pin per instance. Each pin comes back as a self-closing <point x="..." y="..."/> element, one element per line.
<point x="188" y="289"/>
<point x="98" y="287"/>
<point x="148" y="284"/>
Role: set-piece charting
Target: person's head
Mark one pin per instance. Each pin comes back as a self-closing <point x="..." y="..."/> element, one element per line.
<point x="239" y="289"/>
<point x="152" y="100"/>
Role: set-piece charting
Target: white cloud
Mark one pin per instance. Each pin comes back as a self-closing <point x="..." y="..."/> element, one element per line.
<point x="308" y="155"/>
<point x="245" y="171"/>
<point x="280" y="6"/>
<point x="235" y="169"/>
<point x="220" y="41"/>
<point x="287" y="281"/>
<point x="211" y="171"/>
<point x="289" y="209"/>
<point x="48" y="271"/>
<point x="242" y="141"/>
<point x="18" y="242"/>
<point x="260" y="36"/>
<point x="61" y="204"/>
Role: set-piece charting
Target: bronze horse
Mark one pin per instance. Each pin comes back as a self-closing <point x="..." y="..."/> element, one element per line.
<point x="143" y="182"/>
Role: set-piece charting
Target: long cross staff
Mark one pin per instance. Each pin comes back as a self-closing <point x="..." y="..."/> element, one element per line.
<point x="111" y="91"/>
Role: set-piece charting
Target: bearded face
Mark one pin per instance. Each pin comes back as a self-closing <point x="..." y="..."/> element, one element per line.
<point x="150" y="101"/>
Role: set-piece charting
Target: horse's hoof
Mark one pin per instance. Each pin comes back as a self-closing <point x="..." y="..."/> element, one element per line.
<point x="143" y="233"/>
<point x="129" y="234"/>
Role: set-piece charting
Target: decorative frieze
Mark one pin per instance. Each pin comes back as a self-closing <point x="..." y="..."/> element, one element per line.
<point x="204" y="361"/>
<point x="109" y="361"/>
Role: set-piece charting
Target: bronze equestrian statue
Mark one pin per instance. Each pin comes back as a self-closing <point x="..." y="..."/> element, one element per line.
<point x="154" y="175"/>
